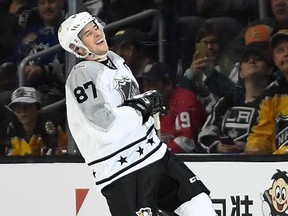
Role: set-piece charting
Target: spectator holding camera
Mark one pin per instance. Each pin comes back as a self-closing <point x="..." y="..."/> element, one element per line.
<point x="204" y="75"/>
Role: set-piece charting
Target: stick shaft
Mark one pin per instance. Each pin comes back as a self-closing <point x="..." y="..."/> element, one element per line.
<point x="157" y="124"/>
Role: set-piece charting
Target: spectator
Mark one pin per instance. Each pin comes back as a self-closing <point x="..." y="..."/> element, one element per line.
<point x="227" y="127"/>
<point x="279" y="19"/>
<point x="280" y="12"/>
<point x="269" y="134"/>
<point x="130" y="44"/>
<point x="205" y="75"/>
<point x="45" y="73"/>
<point x="31" y="133"/>
<point x="13" y="18"/>
<point x="258" y="35"/>
<point x="186" y="115"/>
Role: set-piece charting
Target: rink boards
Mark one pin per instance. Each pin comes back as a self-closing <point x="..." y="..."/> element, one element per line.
<point x="67" y="189"/>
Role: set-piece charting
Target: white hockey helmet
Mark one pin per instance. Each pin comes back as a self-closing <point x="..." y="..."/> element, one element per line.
<point x="69" y="30"/>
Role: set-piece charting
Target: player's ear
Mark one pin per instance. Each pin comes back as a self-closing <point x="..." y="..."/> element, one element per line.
<point x="73" y="47"/>
<point x="79" y="50"/>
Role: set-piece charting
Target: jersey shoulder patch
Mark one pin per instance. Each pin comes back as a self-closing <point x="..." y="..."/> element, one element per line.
<point x="79" y="65"/>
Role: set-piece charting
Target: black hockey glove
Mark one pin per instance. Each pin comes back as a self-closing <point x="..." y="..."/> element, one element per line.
<point x="148" y="103"/>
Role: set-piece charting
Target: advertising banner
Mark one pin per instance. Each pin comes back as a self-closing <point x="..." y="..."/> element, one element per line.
<point x="67" y="189"/>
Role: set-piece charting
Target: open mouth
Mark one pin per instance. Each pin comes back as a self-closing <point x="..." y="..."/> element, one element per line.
<point x="99" y="41"/>
<point x="280" y="206"/>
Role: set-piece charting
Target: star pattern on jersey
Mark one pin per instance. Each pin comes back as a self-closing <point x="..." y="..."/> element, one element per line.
<point x="140" y="151"/>
<point x="151" y="141"/>
<point x="122" y="160"/>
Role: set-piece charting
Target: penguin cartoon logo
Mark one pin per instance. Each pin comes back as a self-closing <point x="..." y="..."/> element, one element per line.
<point x="275" y="199"/>
<point x="144" y="212"/>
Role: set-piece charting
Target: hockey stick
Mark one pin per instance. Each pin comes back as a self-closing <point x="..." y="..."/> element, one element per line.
<point x="157" y="124"/>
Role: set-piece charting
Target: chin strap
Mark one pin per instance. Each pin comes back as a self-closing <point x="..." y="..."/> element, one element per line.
<point x="93" y="56"/>
<point x="98" y="57"/>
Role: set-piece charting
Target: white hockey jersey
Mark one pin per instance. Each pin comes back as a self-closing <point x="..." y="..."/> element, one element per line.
<point x="111" y="138"/>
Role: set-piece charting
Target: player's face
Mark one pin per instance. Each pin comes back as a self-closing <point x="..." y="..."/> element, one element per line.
<point x="280" y="55"/>
<point x="94" y="39"/>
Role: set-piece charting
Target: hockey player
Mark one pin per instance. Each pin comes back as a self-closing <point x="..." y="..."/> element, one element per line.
<point x="114" y="132"/>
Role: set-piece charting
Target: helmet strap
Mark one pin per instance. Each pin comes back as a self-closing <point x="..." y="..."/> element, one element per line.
<point x="98" y="57"/>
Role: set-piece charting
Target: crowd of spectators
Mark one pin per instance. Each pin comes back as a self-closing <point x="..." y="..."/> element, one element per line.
<point x="229" y="124"/>
<point x="218" y="64"/>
